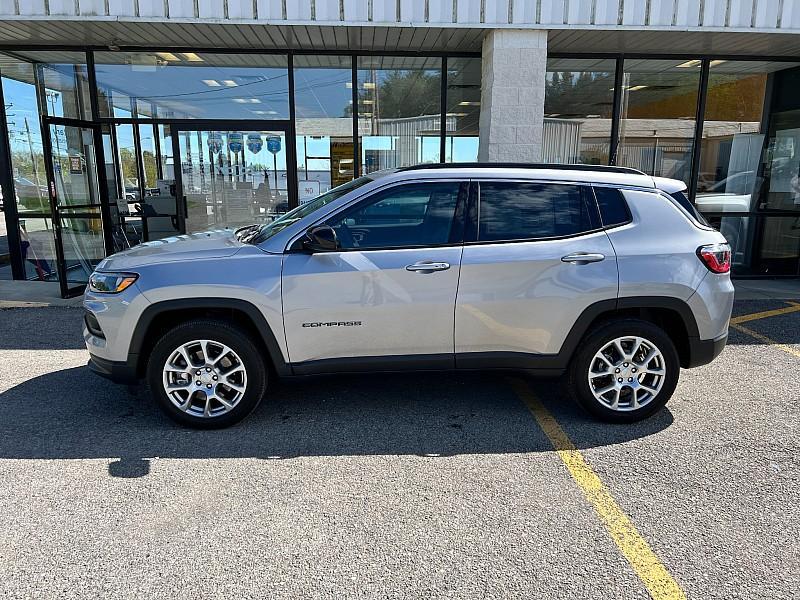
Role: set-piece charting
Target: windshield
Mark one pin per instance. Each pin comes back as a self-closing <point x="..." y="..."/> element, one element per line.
<point x="264" y="232"/>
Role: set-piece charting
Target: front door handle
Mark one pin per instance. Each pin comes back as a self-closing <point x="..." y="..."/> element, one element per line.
<point x="427" y="266"/>
<point x="583" y="258"/>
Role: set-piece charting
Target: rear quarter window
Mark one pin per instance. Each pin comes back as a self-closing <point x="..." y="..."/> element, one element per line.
<point x="613" y="208"/>
<point x="682" y="201"/>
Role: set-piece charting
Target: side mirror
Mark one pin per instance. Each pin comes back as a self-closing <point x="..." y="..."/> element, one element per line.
<point x="321" y="238"/>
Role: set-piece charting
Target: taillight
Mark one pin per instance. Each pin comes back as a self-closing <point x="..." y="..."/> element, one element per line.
<point x="717" y="257"/>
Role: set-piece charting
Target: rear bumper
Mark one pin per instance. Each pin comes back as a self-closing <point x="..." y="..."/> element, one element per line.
<point x="702" y="352"/>
<point x="118" y="372"/>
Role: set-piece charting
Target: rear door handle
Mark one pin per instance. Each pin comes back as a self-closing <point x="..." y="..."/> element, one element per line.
<point x="427" y="266"/>
<point x="582" y="258"/>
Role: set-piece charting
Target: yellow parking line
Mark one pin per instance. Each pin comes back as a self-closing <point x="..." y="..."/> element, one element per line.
<point x="762" y="338"/>
<point x="653" y="574"/>
<point x="767" y="313"/>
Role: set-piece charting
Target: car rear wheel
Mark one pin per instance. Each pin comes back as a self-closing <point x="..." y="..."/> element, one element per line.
<point x="625" y="371"/>
<point x="206" y="374"/>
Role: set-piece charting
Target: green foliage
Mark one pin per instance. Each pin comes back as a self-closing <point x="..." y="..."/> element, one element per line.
<point x="403" y="94"/>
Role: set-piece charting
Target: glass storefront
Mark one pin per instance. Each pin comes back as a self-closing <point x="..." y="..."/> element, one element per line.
<point x="463" y="109"/>
<point x="399" y="111"/>
<point x="232" y="178"/>
<point x="189" y="85"/>
<point x="178" y="142"/>
<point x="747" y="184"/>
<point x="578" y="110"/>
<point x="323" y="100"/>
<point x="657" y="121"/>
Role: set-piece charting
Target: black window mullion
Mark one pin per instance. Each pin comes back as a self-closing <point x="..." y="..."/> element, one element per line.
<point x="354" y="85"/>
<point x="292" y="186"/>
<point x="616" y="110"/>
<point x="443" y="118"/>
<point x="698" y="129"/>
<point x="139" y="158"/>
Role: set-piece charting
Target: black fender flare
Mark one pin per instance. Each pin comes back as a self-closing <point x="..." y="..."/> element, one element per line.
<point x="264" y="331"/>
<point x="593" y="311"/>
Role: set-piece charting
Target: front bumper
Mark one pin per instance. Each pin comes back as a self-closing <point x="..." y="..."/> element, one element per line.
<point x="118" y="372"/>
<point x="702" y="352"/>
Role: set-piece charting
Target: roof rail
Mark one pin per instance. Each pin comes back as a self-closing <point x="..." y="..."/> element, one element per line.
<point x="510" y="165"/>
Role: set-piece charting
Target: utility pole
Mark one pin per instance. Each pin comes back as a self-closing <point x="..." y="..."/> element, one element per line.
<point x="33" y="161"/>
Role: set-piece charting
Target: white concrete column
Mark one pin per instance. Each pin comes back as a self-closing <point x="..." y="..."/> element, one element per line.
<point x="512" y="95"/>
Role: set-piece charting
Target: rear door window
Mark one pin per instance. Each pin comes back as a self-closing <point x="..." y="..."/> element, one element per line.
<point x="529" y="211"/>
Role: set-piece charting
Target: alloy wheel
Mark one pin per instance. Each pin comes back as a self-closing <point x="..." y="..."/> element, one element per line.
<point x="204" y="378"/>
<point x="627" y="373"/>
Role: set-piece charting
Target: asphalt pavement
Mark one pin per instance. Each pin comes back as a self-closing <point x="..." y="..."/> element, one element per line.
<point x="409" y="485"/>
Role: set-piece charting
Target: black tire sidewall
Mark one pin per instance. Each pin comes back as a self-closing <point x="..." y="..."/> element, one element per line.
<point x="219" y="331"/>
<point x="599" y="337"/>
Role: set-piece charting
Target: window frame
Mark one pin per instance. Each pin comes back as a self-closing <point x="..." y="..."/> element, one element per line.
<point x="472" y="226"/>
<point x="456" y="228"/>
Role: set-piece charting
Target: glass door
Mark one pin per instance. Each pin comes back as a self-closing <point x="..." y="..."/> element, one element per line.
<point x="76" y="192"/>
<point x="234" y="176"/>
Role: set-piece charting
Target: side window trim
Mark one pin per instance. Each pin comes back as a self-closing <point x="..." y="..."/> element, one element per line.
<point x="475" y="210"/>
<point x="458" y="216"/>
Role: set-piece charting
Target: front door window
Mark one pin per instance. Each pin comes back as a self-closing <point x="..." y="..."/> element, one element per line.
<point x="405" y="216"/>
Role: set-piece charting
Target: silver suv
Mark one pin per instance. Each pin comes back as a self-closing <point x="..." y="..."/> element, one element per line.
<point x="605" y="274"/>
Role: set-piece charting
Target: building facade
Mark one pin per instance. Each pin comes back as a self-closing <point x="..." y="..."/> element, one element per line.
<point x="125" y="121"/>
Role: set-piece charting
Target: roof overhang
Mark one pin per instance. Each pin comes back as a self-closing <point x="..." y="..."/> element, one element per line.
<point x="400" y="37"/>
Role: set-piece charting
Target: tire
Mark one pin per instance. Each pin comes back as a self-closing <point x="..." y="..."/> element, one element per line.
<point x="644" y="389"/>
<point x="226" y="381"/>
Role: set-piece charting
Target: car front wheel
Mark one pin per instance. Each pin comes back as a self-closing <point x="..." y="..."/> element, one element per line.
<point x="206" y="374"/>
<point x="625" y="371"/>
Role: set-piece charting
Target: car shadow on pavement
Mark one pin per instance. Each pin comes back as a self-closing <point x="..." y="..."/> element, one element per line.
<point x="72" y="414"/>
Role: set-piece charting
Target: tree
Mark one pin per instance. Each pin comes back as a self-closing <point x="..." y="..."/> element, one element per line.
<point x="403" y="94"/>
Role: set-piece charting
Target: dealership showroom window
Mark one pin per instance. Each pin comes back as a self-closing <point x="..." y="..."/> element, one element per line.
<point x="107" y="147"/>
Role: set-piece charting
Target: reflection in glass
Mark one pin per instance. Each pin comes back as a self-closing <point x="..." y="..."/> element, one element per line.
<point x="149" y="164"/>
<point x="83" y="243"/>
<point x="61" y="75"/>
<point x="399" y="111"/>
<point x="732" y="142"/>
<point x="524" y="211"/>
<point x="324" y="122"/>
<point x="659" y="106"/>
<point x="128" y="161"/>
<point x="193" y="85"/>
<point x="780" y="246"/>
<point x="25" y="136"/>
<point x="38" y="248"/>
<point x="74" y="165"/>
<point x="418" y="214"/>
<point x="77" y="191"/>
<point x="781" y="161"/>
<point x="463" y="109"/>
<point x="578" y="107"/>
<point x="232" y="178"/>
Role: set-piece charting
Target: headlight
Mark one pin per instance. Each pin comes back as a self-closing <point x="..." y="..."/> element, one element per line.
<point x="111" y="283"/>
